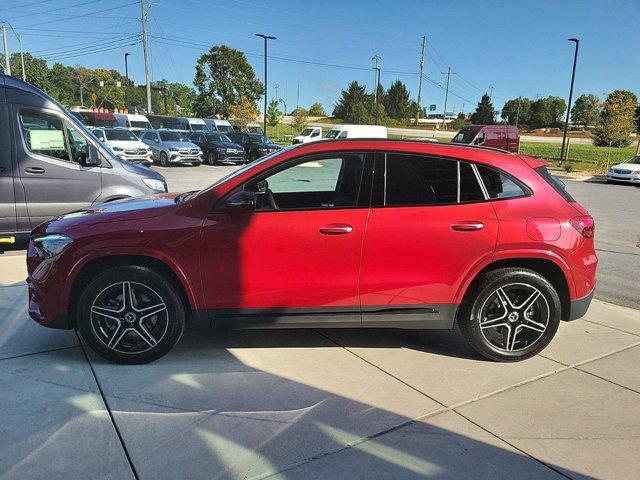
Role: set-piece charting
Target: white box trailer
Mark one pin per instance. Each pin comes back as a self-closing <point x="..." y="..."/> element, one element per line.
<point x="356" y="131"/>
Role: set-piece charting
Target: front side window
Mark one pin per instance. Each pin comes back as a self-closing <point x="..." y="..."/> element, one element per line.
<point x="499" y="185"/>
<point x="78" y="144"/>
<point x="44" y="135"/>
<point x="170" y="136"/>
<point x="315" y="184"/>
<point x="99" y="135"/>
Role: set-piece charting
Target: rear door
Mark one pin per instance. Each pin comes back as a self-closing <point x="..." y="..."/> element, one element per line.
<point x="429" y="225"/>
<point x="49" y="150"/>
<point x="8" y="222"/>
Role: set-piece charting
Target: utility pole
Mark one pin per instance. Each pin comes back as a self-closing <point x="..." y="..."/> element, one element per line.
<point x="146" y="54"/>
<point x="376" y="58"/>
<point x="424" y="41"/>
<point x="491" y="93"/>
<point x="518" y="112"/>
<point x="298" y="97"/>
<point x="7" y="63"/>
<point x="446" y="96"/>
<point x="266" y="39"/>
<point x="24" y="73"/>
<point x="573" y="76"/>
<point x="81" y="95"/>
<point x="277" y="98"/>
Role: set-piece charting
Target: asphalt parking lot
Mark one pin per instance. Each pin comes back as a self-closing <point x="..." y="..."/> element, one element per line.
<point x="329" y="403"/>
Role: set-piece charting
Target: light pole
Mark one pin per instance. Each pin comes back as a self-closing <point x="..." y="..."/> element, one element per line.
<point x="266" y="38"/>
<point x="126" y="67"/>
<point x="573" y="76"/>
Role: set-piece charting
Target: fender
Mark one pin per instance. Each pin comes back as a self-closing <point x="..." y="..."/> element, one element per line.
<point x="517" y="254"/>
<point x="123" y="251"/>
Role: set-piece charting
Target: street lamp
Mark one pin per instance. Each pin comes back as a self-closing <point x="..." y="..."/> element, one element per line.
<point x="573" y="76"/>
<point x="266" y="38"/>
<point x="126" y="67"/>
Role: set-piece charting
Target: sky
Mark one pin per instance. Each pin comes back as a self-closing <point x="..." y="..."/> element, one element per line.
<point x="518" y="47"/>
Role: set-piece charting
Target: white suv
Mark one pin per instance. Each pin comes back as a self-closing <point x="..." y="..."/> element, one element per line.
<point x="628" y="172"/>
<point x="124" y="144"/>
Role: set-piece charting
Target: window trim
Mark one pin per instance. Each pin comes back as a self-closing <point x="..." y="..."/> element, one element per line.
<point x="383" y="153"/>
<point x="220" y="204"/>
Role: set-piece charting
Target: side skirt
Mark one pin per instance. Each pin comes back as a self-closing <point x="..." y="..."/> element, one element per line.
<point x="440" y="316"/>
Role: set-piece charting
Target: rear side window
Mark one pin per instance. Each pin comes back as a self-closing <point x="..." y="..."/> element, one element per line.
<point x="499" y="185"/>
<point x="419" y="180"/>
<point x="555" y="183"/>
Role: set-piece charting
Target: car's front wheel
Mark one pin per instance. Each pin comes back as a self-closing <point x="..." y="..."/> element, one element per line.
<point x="164" y="159"/>
<point x="130" y="314"/>
<point x="212" y="158"/>
<point x="511" y="314"/>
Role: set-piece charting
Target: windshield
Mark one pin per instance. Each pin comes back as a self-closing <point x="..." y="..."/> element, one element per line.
<point x="105" y="122"/>
<point x="140" y="124"/>
<point x="306" y="132"/>
<point x="466" y="135"/>
<point x="256" y="137"/>
<point x="636" y="160"/>
<point x="198" y="126"/>
<point x="120" y="135"/>
<point x="225" y="128"/>
<point x="218" y="137"/>
<point x="173" y="137"/>
<point x="332" y="134"/>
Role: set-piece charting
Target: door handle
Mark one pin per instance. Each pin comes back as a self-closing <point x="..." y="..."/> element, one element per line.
<point x="34" y="170"/>
<point x="335" y="229"/>
<point x="467" y="226"/>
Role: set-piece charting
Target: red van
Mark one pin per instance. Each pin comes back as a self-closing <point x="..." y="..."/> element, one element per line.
<point x="503" y="137"/>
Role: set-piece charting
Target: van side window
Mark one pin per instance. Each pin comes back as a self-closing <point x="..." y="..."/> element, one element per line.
<point x="499" y="185"/>
<point x="343" y="134"/>
<point x="44" y="135"/>
<point x="78" y="144"/>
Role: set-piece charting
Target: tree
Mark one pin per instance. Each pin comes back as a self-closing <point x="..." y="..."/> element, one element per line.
<point x="223" y="77"/>
<point x="299" y="121"/>
<point x="397" y="102"/>
<point x="460" y="122"/>
<point x="585" y="111"/>
<point x="547" y="112"/>
<point x="274" y="115"/>
<point x="517" y="111"/>
<point x="62" y="84"/>
<point x="638" y="129"/>
<point x="243" y="112"/>
<point x="37" y="71"/>
<point x="617" y="119"/>
<point x="316" y="110"/>
<point x="354" y="95"/>
<point x="485" y="113"/>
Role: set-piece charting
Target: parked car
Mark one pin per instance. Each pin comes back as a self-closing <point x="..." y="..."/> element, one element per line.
<point x="352" y="233"/>
<point x="219" y="125"/>
<point x="124" y="144"/>
<point x="197" y="124"/>
<point x="254" y="144"/>
<point x="170" y="147"/>
<point x="95" y="119"/>
<point x="356" y="131"/>
<point x="51" y="164"/>
<point x="217" y="147"/>
<point x="134" y="122"/>
<point x="628" y="172"/>
<point x="309" y="134"/>
<point x="170" y="123"/>
<point x="503" y="137"/>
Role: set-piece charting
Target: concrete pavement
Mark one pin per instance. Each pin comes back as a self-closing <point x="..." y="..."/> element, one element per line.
<point x="318" y="404"/>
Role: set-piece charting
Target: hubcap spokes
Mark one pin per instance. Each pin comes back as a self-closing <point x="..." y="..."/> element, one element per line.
<point x="514" y="317"/>
<point x="129" y="317"/>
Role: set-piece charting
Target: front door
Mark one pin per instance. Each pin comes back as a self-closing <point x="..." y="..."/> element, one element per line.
<point x="49" y="152"/>
<point x="429" y="225"/>
<point x="296" y="257"/>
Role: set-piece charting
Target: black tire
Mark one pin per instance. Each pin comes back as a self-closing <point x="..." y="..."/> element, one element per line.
<point x="164" y="160"/>
<point x="212" y="158"/>
<point x="525" y="341"/>
<point x="165" y="327"/>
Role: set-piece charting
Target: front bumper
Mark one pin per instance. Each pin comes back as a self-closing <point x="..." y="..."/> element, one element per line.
<point x="579" y="306"/>
<point x="184" y="158"/>
<point x="613" y="177"/>
<point x="231" y="157"/>
<point x="46" y="316"/>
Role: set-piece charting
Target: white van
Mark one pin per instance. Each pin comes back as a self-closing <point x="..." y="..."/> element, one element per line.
<point x="197" y="124"/>
<point x="309" y="134"/>
<point x="356" y="131"/>
<point x="135" y="123"/>
<point x="219" y="125"/>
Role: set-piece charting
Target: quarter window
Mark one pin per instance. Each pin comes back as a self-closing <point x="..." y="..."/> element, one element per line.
<point x="470" y="190"/>
<point x="499" y="185"/>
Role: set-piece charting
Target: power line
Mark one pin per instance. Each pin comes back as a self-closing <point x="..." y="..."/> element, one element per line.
<point x="83" y="15"/>
<point x="25" y="5"/>
<point x="78" y="53"/>
<point x="82" y="46"/>
<point x="49" y="12"/>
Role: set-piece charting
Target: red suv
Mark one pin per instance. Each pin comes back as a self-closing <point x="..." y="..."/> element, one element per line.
<point x="345" y="233"/>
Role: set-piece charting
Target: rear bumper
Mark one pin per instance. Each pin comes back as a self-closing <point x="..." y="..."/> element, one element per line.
<point x="579" y="306"/>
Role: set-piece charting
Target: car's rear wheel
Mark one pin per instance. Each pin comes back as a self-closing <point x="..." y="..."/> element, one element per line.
<point x="212" y="159"/>
<point x="130" y="314"/>
<point x="510" y="315"/>
<point x="164" y="160"/>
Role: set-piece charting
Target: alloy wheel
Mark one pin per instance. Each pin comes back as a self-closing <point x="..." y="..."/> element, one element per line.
<point x="514" y="317"/>
<point x="129" y="317"/>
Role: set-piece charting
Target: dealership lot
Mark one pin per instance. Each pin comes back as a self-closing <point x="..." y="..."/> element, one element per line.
<point x="328" y="403"/>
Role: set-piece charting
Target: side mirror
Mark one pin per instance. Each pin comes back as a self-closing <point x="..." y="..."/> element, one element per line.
<point x="241" y="201"/>
<point x="93" y="157"/>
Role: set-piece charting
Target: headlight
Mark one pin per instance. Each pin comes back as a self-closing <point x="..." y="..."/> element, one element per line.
<point x="262" y="149"/>
<point x="174" y="149"/>
<point x="117" y="149"/>
<point x="50" y="245"/>
<point x="155" y="184"/>
<point x="221" y="150"/>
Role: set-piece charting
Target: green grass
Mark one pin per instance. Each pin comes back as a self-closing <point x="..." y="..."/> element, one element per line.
<point x="581" y="157"/>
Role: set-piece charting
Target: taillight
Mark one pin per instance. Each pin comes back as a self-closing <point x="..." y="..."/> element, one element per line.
<point x="584" y="224"/>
